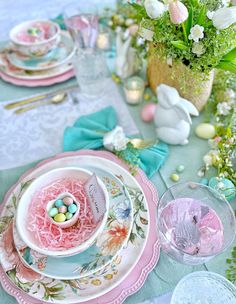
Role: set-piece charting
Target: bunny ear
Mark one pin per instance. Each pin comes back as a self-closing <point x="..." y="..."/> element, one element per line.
<point x="126" y="46"/>
<point x="189" y="106"/>
<point x="119" y="43"/>
<point x="183" y="113"/>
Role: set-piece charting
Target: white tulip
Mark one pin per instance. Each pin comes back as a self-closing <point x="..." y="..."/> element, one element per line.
<point x="154" y="8"/>
<point x="224" y="17"/>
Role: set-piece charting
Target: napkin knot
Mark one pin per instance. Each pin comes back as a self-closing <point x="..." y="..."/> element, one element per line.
<point x="100" y="130"/>
<point x="115" y="140"/>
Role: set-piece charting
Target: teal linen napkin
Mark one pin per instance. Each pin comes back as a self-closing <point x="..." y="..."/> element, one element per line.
<point x="88" y="132"/>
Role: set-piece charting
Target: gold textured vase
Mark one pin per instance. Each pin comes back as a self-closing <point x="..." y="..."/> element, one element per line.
<point x="193" y="86"/>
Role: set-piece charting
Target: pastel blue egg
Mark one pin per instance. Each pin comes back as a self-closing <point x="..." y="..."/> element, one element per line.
<point x="223" y="186"/>
<point x="72" y="208"/>
<point x="52" y="212"/>
<point x="59" y="203"/>
<point x="204" y="181"/>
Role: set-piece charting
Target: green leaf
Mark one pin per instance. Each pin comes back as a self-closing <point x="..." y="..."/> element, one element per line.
<point x="201" y="20"/>
<point x="180" y="44"/>
<point x="230" y="56"/>
<point x="227" y="66"/>
<point x="132" y="237"/>
<point x="189" y="21"/>
<point x="140" y="231"/>
<point x="194" y="2"/>
<point x="58" y="297"/>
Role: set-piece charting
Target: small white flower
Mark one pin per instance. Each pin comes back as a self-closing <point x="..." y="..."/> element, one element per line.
<point x="110" y="23"/>
<point x="115" y="140"/>
<point x="230" y="94"/>
<point x="129" y="22"/>
<point x="211" y="157"/>
<point x="210" y="14"/>
<point x="196" y="33"/>
<point x="140" y="41"/>
<point x="201" y="173"/>
<point x="208" y="160"/>
<point x="223" y="108"/>
<point x="198" y="48"/>
<point x="146" y="34"/>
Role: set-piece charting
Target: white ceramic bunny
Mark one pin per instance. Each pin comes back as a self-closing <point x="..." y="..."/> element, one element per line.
<point x="126" y="61"/>
<point x="172" y="116"/>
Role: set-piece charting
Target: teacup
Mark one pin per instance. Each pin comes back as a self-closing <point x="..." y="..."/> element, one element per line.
<point x="35" y="38"/>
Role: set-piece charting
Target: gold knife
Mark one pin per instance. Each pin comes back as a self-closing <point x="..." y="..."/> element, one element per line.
<point x="36" y="98"/>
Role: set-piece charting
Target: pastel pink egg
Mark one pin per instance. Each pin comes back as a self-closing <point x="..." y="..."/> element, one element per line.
<point x="62" y="209"/>
<point x="148" y="111"/>
<point x="68" y="200"/>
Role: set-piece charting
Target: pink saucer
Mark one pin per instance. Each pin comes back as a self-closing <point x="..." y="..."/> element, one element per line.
<point x="37" y="83"/>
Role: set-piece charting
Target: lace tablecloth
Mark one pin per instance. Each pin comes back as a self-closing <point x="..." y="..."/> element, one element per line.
<point x="37" y="134"/>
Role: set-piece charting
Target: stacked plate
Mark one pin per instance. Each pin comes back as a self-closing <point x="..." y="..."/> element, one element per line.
<point x="113" y="267"/>
<point x="20" y="67"/>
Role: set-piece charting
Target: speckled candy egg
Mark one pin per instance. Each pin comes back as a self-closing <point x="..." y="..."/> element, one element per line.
<point x="60" y="218"/>
<point x="223" y="186"/>
<point x="205" y="131"/>
<point x="59" y="203"/>
<point x="72" y="208"/>
<point x="68" y="200"/>
<point x="62" y="209"/>
<point x="148" y="112"/>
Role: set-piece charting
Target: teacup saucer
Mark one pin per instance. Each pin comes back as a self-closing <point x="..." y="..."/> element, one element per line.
<point x="61" y="55"/>
<point x="100" y="254"/>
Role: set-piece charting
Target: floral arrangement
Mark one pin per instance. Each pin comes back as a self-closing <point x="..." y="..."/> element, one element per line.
<point x="221" y="111"/>
<point x="199" y="34"/>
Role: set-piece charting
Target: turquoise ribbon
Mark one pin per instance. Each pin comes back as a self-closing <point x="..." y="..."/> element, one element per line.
<point x="88" y="132"/>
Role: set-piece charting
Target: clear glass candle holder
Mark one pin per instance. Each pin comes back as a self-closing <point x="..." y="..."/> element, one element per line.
<point x="134" y="89"/>
<point x="104" y="42"/>
<point x="91" y="72"/>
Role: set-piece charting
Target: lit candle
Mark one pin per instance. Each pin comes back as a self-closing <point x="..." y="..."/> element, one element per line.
<point x="134" y="89"/>
<point x="103" y="41"/>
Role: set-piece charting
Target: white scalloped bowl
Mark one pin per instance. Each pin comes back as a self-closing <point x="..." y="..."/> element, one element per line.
<point x="42" y="181"/>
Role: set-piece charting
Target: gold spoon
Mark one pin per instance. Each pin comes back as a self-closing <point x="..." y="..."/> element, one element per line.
<point x="57" y="99"/>
<point x="141" y="144"/>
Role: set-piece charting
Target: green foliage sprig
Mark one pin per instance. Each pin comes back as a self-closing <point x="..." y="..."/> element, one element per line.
<point x="172" y="40"/>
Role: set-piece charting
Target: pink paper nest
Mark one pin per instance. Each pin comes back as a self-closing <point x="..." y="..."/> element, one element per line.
<point x="48" y="235"/>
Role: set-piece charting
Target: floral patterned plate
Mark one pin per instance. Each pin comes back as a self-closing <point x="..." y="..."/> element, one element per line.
<point x="10" y="70"/>
<point x="110" y="285"/>
<point x="61" y="55"/>
<point x="108" y="244"/>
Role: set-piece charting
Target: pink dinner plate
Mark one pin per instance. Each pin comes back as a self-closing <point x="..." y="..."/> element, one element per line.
<point x="139" y="271"/>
